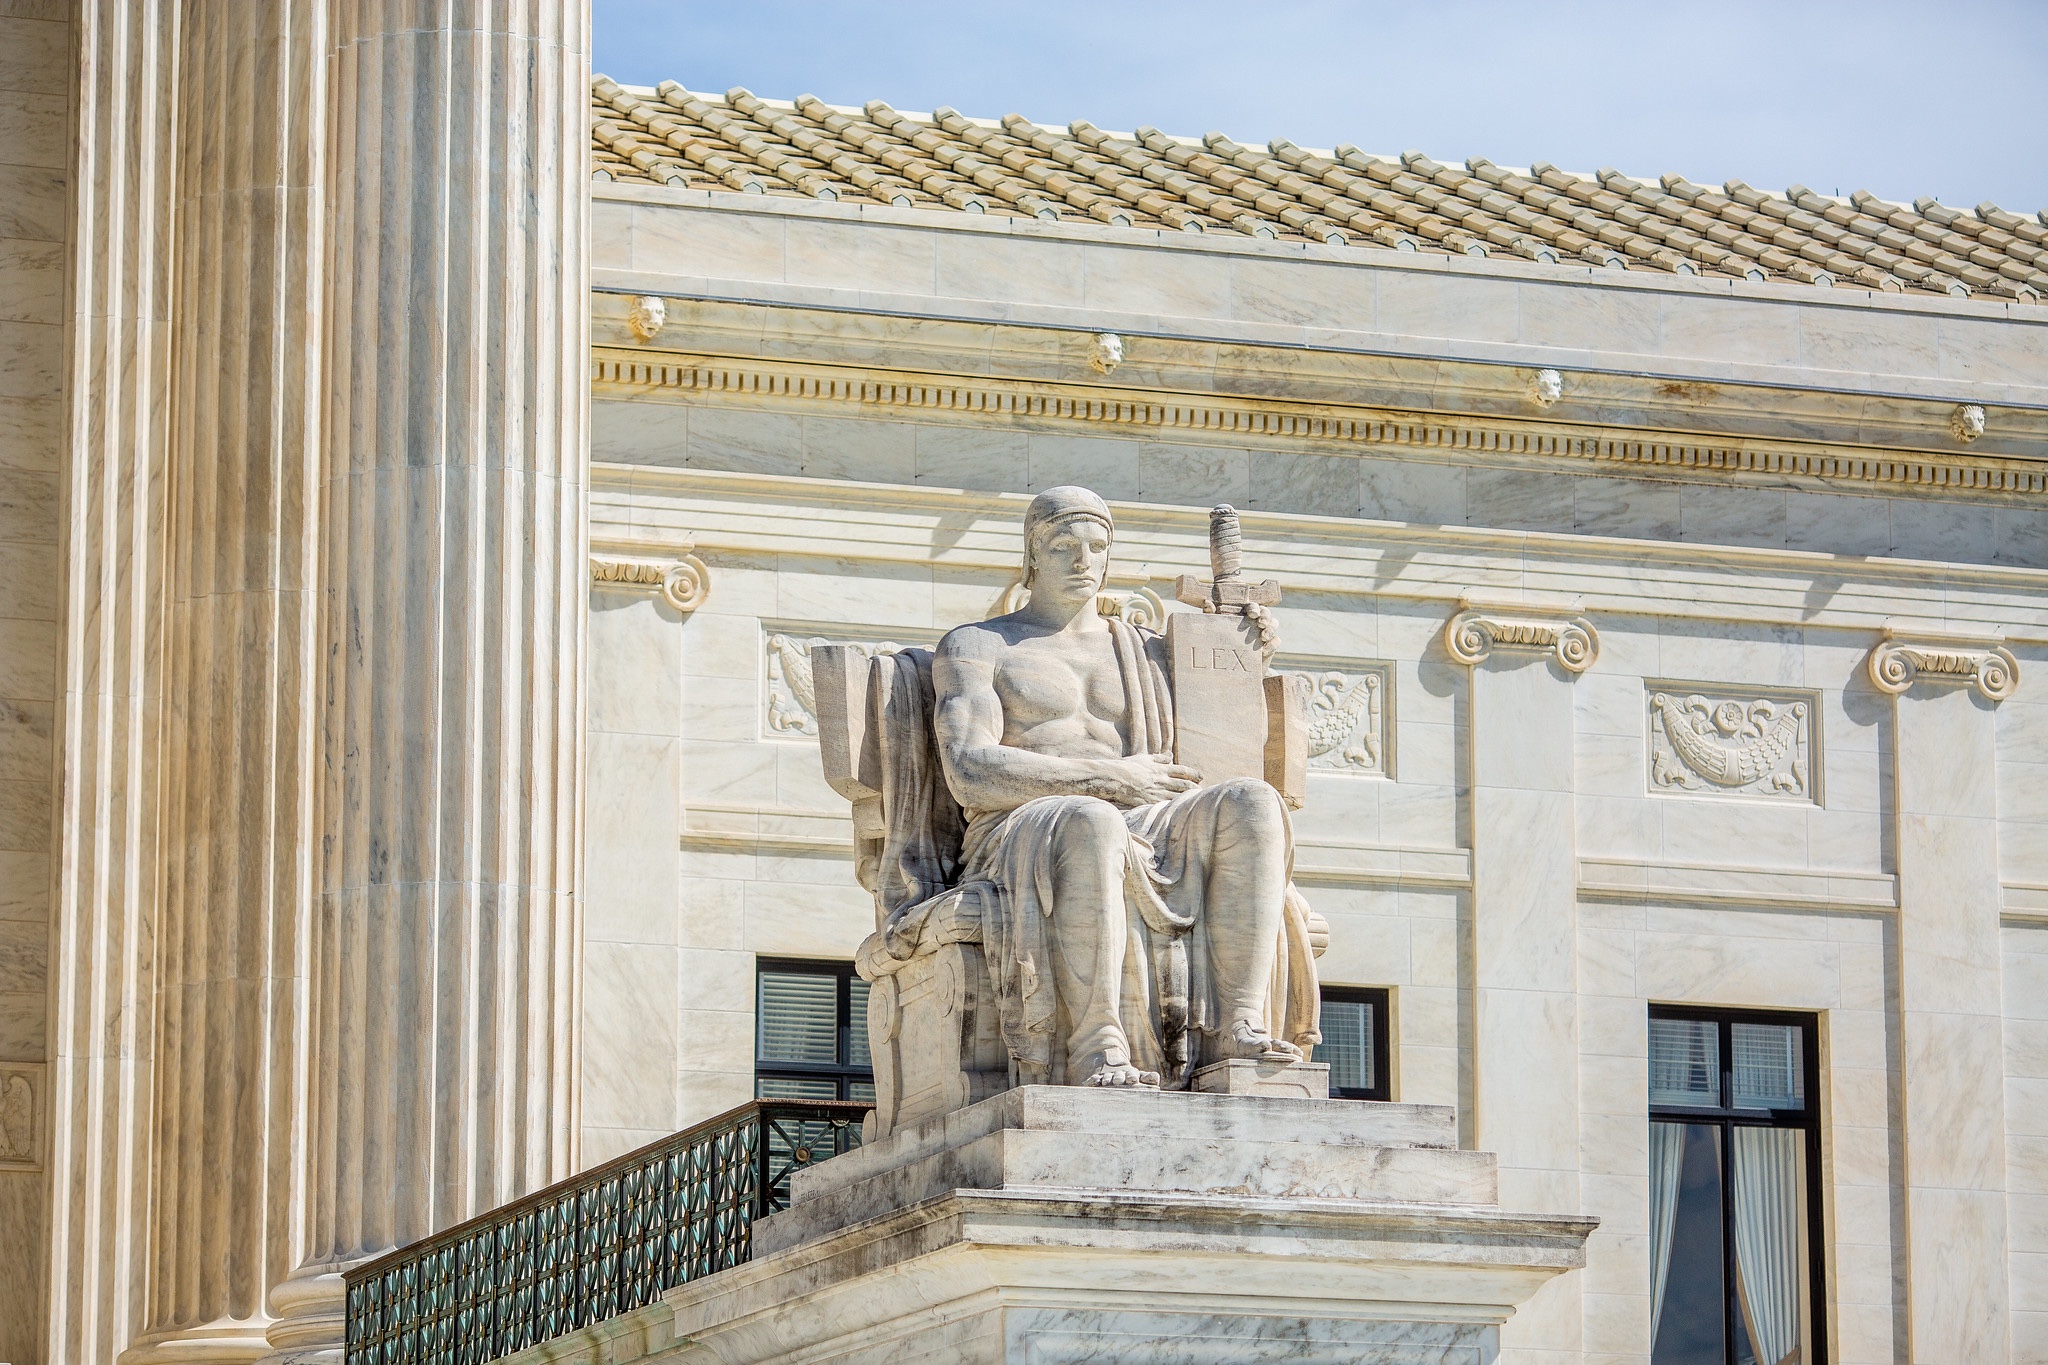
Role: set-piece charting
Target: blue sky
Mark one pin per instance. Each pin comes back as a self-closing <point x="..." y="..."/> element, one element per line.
<point x="1903" y="99"/>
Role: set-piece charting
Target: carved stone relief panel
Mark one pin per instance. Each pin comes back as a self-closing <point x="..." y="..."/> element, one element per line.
<point x="1711" y="739"/>
<point x="792" y="703"/>
<point x="1348" y="715"/>
<point x="21" y="1116"/>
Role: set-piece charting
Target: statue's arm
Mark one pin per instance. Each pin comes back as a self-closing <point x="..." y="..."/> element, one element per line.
<point x="986" y="774"/>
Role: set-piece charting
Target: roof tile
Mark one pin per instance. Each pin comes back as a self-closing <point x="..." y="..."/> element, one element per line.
<point x="739" y="142"/>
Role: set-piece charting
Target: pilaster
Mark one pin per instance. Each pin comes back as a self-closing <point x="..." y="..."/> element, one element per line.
<point x="1524" y="656"/>
<point x="1951" y="1056"/>
<point x="444" y="961"/>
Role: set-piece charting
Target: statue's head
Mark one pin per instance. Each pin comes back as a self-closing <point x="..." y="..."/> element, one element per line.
<point x="1067" y="533"/>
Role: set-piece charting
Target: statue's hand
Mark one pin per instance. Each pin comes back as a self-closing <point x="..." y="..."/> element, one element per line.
<point x="1143" y="779"/>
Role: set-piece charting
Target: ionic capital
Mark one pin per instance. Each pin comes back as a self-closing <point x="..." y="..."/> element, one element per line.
<point x="681" y="578"/>
<point x="1900" y="660"/>
<point x="1487" y="624"/>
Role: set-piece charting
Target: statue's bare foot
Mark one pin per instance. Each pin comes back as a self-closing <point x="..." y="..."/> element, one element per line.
<point x="1246" y="1039"/>
<point x="1121" y="1074"/>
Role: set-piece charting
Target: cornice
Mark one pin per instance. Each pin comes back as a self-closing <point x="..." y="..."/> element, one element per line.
<point x="1360" y="253"/>
<point x="1283" y="423"/>
<point x="959" y="531"/>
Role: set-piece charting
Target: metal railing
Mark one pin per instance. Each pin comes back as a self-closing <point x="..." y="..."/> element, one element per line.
<point x="595" y="1245"/>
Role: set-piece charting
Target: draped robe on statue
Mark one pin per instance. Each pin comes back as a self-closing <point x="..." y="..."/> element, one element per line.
<point x="1167" y="991"/>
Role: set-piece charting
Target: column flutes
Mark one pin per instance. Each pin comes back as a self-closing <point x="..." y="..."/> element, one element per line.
<point x="102" y="959"/>
<point x="444" y="958"/>
<point x="240" y="660"/>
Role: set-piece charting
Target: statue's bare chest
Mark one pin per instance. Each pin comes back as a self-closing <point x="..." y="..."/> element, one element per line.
<point x="1061" y="678"/>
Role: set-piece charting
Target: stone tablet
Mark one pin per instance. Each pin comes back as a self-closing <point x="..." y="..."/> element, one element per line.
<point x="1219" y="695"/>
<point x="1287" y="737"/>
<point x="839" y="674"/>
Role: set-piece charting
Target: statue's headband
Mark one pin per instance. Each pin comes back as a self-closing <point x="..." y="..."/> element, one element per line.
<point x="1062" y="504"/>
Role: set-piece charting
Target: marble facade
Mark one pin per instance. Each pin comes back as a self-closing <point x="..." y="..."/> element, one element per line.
<point x="1513" y="503"/>
<point x="844" y="414"/>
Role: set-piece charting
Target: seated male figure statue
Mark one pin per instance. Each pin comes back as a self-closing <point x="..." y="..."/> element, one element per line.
<point x="1139" y="914"/>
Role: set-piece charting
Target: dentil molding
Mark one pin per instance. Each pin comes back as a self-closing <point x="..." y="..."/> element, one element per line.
<point x="1901" y="660"/>
<point x="618" y="372"/>
<point x="1487" y="624"/>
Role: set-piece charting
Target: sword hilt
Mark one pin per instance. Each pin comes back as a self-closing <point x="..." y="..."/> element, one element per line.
<point x="1226" y="544"/>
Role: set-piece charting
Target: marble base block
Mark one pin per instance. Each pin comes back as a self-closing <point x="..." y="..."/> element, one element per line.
<point x="1056" y="1224"/>
<point x="1288" y="1080"/>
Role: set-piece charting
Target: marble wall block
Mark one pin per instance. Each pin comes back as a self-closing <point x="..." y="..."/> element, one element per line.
<point x="2025" y="964"/>
<point x="2023" y="782"/>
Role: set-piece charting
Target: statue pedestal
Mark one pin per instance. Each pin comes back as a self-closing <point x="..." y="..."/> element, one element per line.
<point x="1070" y="1224"/>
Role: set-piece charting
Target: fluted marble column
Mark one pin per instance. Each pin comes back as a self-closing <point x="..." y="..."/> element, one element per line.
<point x="444" y="961"/>
<point x="240" y="656"/>
<point x="102" y="962"/>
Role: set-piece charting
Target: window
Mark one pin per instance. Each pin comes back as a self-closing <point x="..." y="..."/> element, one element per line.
<point x="1355" y="1043"/>
<point x="1735" y="1230"/>
<point x="811" y="1032"/>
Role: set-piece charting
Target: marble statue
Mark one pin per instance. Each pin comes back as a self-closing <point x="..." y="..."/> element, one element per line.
<point x="1134" y="913"/>
<point x="1137" y="905"/>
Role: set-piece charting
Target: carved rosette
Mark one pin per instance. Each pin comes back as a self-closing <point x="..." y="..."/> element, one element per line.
<point x="682" y="580"/>
<point x="1476" y="632"/>
<point x="1896" y="664"/>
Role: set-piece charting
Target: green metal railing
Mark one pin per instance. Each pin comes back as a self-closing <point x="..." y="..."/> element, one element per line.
<point x="601" y="1243"/>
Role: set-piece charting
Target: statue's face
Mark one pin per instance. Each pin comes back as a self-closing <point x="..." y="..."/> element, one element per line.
<point x="1069" y="562"/>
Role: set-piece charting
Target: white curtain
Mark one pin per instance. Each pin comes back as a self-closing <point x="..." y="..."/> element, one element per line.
<point x="1667" y="1157"/>
<point x="1768" y="1265"/>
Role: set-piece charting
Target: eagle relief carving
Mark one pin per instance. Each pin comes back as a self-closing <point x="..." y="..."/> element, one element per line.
<point x="792" y="697"/>
<point x="1740" y="744"/>
<point x="1346" y="720"/>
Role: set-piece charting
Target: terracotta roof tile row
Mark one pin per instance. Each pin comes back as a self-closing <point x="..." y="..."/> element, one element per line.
<point x="944" y="160"/>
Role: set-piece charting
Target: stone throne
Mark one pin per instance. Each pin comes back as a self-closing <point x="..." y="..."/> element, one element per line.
<point x="932" y="1027"/>
<point x="933" y="1017"/>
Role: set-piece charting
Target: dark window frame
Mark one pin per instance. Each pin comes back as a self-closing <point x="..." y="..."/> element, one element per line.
<point x="843" y="1073"/>
<point x="1728" y="1118"/>
<point x="1380" y="1000"/>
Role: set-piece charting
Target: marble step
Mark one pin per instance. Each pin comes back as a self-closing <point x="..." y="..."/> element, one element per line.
<point x="1144" y="1113"/>
<point x="1054" y="1138"/>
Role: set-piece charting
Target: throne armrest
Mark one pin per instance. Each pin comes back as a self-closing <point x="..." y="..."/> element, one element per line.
<point x="952" y="916"/>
